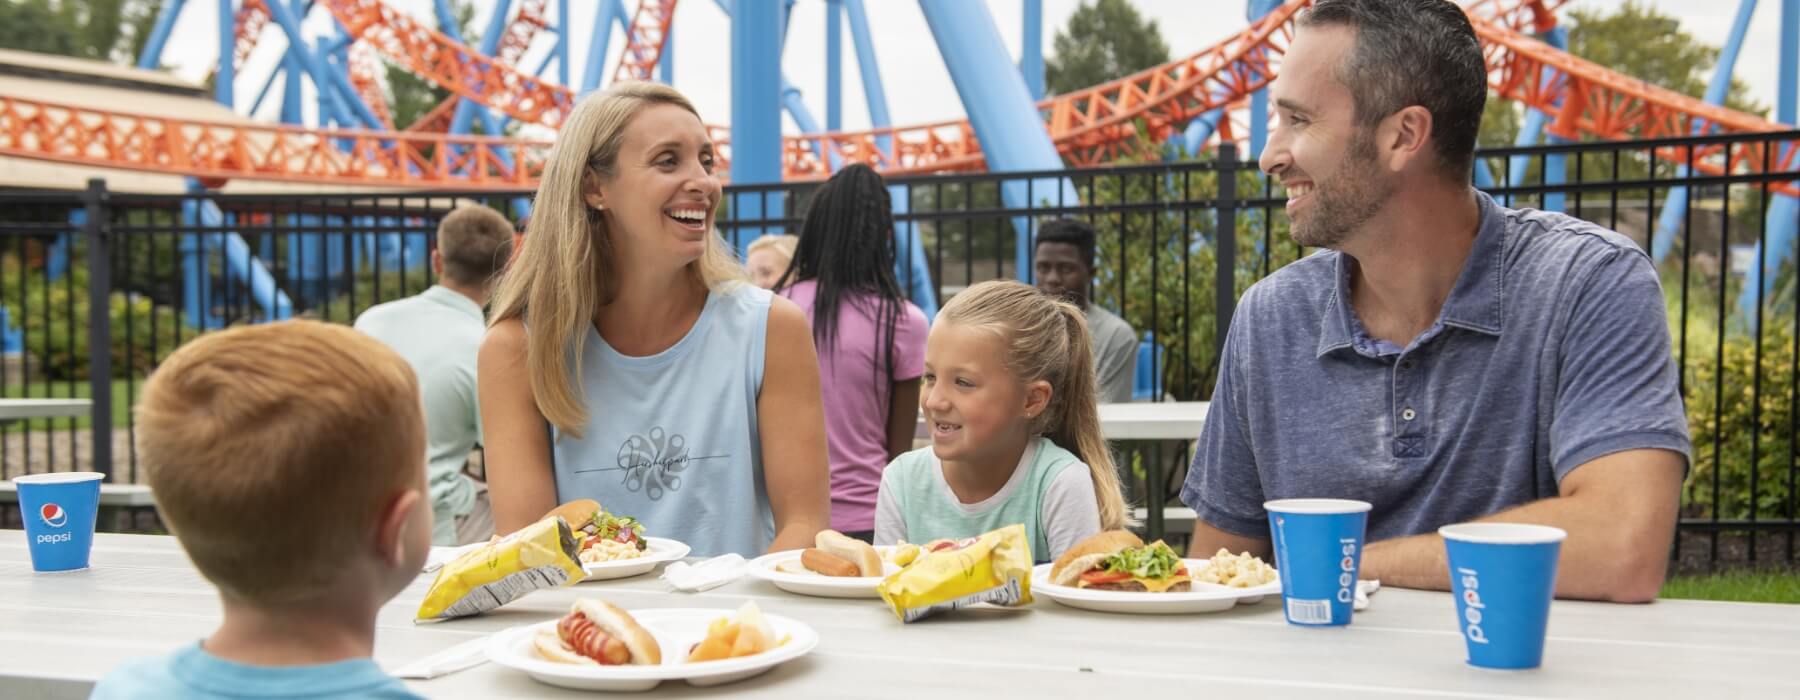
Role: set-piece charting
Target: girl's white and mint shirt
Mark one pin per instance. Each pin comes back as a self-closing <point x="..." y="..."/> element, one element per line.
<point x="1050" y="492"/>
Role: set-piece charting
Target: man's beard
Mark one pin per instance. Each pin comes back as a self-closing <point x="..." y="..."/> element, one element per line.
<point x="1346" y="200"/>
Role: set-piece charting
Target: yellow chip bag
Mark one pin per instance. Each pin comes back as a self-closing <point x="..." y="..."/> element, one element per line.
<point x="540" y="555"/>
<point x="993" y="568"/>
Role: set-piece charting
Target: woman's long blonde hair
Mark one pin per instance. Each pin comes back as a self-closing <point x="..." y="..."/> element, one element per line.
<point x="564" y="272"/>
<point x="1047" y="339"/>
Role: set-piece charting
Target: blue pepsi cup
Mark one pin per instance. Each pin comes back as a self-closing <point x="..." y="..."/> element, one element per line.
<point x="1503" y="575"/>
<point x="59" y="511"/>
<point x="1318" y="549"/>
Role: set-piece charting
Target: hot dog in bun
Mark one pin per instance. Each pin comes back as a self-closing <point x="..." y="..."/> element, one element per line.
<point x="1117" y="560"/>
<point x="836" y="554"/>
<point x="598" y="633"/>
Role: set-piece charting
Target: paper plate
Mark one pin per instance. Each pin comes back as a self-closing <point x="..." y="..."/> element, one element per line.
<point x="1204" y="598"/>
<point x="657" y="551"/>
<point x="675" y="630"/>
<point x="813" y="584"/>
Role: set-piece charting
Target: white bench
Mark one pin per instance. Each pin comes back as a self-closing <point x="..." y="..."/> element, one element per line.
<point x="1177" y="520"/>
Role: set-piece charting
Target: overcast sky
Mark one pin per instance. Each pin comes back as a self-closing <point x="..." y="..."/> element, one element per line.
<point x="918" y="86"/>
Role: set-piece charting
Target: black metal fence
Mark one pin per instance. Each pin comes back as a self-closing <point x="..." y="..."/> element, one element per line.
<point x="167" y="268"/>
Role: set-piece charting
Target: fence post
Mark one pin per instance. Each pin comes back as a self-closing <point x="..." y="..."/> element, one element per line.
<point x="1225" y="236"/>
<point x="97" y="231"/>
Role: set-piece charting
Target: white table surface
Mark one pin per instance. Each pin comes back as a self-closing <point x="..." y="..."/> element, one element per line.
<point x="1168" y="420"/>
<point x="61" y="632"/>
<point x="17" y="409"/>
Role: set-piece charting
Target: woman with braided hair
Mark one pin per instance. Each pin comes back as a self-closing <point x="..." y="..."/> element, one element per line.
<point x="870" y="339"/>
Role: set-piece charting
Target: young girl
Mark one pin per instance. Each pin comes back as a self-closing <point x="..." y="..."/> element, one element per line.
<point x="1015" y="433"/>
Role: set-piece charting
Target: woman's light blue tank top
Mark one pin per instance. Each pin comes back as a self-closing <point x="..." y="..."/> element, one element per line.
<point x="672" y="438"/>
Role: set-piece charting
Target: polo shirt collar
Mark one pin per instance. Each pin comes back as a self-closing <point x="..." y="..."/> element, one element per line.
<point x="1475" y="303"/>
<point x="455" y="300"/>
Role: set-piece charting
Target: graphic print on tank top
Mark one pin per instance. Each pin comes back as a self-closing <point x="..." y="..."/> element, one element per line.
<point x="653" y="463"/>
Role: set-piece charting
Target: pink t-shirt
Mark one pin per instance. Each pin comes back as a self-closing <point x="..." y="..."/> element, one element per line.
<point x="853" y="379"/>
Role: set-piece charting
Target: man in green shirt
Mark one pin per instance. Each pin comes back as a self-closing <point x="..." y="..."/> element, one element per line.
<point x="439" y="332"/>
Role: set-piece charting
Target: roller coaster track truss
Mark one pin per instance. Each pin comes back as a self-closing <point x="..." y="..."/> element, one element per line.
<point x="1089" y="127"/>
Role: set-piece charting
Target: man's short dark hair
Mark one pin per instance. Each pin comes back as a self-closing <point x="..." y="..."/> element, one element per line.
<point x="475" y="242"/>
<point x="1072" y="232"/>
<point x="1413" y="52"/>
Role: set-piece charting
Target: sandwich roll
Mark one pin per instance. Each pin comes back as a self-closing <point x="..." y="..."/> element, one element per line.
<point x="1088" y="553"/>
<point x="598" y="633"/>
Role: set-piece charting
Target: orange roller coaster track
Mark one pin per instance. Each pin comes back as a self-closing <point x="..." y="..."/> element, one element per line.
<point x="217" y="151"/>
<point x="513" y="45"/>
<point x="649" y="30"/>
<point x="1089" y="126"/>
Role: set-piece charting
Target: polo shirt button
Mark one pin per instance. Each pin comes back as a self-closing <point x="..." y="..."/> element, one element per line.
<point x="1406" y="364"/>
<point x="1408" y="414"/>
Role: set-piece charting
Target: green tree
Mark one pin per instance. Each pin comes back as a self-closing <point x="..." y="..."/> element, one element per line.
<point x="102" y="30"/>
<point x="1104" y="40"/>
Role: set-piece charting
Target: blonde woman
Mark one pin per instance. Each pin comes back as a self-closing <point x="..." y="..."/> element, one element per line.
<point x="628" y="360"/>
<point x="768" y="257"/>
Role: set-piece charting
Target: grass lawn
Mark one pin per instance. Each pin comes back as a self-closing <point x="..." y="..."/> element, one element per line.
<point x="61" y="390"/>
<point x="1738" y="586"/>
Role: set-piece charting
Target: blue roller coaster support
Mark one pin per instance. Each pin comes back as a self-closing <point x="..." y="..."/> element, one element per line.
<point x="1031" y="48"/>
<point x="330" y="101"/>
<point x="609" y="13"/>
<point x="1674" y="208"/>
<point x="563" y="25"/>
<point x="241" y="267"/>
<point x="1784" y="211"/>
<point x="910" y="265"/>
<point x="1259" y="100"/>
<point x="834" y="65"/>
<point x="665" y="62"/>
<point x="873" y="91"/>
<point x="755" y="108"/>
<point x="468" y="110"/>
<point x="151" y="58"/>
<point x="222" y="82"/>
<point x="1005" y="118"/>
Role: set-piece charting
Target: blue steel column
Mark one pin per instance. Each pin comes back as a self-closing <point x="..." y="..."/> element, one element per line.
<point x="873" y="92"/>
<point x="159" y="34"/>
<point x="227" y="74"/>
<point x="834" y="65"/>
<point x="1675" y="204"/>
<point x="1259" y="100"/>
<point x="466" y="109"/>
<point x="563" y="28"/>
<point x="665" y="62"/>
<point x="755" y="107"/>
<point x="1000" y="107"/>
<point x="1031" y="48"/>
<point x="1784" y="211"/>
<point x="609" y="13"/>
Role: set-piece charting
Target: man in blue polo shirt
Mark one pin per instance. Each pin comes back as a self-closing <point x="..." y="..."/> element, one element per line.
<point x="1447" y="359"/>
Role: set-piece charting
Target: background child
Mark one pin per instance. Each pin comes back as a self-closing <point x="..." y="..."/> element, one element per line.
<point x="1015" y="432"/>
<point x="289" y="460"/>
<point x="768" y="257"/>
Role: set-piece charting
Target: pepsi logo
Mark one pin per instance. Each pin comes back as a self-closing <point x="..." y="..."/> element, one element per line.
<point x="54" y="515"/>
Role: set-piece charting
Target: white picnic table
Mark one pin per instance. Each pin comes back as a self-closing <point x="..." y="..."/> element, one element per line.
<point x="61" y="632"/>
<point x="21" y="409"/>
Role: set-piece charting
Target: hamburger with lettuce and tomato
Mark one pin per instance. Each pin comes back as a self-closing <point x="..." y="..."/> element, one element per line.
<point x="1117" y="560"/>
